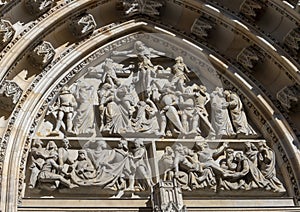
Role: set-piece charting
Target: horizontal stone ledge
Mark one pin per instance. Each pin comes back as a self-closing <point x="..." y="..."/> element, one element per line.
<point x="152" y="139"/>
<point x="129" y="204"/>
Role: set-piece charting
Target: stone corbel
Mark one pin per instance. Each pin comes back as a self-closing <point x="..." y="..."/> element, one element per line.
<point x="140" y="7"/>
<point x="6" y="32"/>
<point x="249" y="57"/>
<point x="289" y="97"/>
<point x="250" y="8"/>
<point x="37" y="7"/>
<point x="42" y="54"/>
<point x="83" y="25"/>
<point x="10" y="92"/>
<point x="292" y="39"/>
<point x="201" y="27"/>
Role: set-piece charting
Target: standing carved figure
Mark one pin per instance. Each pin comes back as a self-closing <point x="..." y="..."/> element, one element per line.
<point x="38" y="156"/>
<point x="84" y="121"/>
<point x="238" y="115"/>
<point x="201" y="99"/>
<point x="142" y="166"/>
<point x="64" y="154"/>
<point x="66" y="105"/>
<point x="219" y="115"/>
<point x="266" y="164"/>
<point x="180" y="77"/>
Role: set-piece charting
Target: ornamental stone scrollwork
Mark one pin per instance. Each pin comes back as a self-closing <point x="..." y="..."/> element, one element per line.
<point x="292" y="39"/>
<point x="201" y="27"/>
<point x="249" y="57"/>
<point x="6" y="32"/>
<point x="251" y="8"/>
<point x="42" y="54"/>
<point x="37" y="7"/>
<point x="83" y="25"/>
<point x="289" y="97"/>
<point x="10" y="94"/>
<point x="145" y="7"/>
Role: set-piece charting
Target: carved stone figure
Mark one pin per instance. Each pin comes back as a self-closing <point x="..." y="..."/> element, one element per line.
<point x="42" y="54"/>
<point x="10" y="92"/>
<point x="142" y="166"/>
<point x="6" y="32"/>
<point x="246" y="176"/>
<point x="168" y="112"/>
<point x="146" y="120"/>
<point x="266" y="164"/>
<point x="179" y="70"/>
<point x="36" y="7"/>
<point x="51" y="171"/>
<point x="98" y="152"/>
<point x="238" y="115"/>
<point x="201" y="99"/>
<point x="66" y="107"/>
<point x="220" y="119"/>
<point x="83" y="25"/>
<point x="147" y="7"/>
<point x="166" y="164"/>
<point x="38" y="156"/>
<point x="84" y="121"/>
<point x="106" y="95"/>
<point x="82" y="169"/>
<point x="207" y="156"/>
<point x="119" y="112"/>
<point x="63" y="153"/>
<point x="289" y="97"/>
<point x="251" y="152"/>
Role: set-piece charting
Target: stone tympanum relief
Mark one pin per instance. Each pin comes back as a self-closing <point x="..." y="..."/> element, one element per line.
<point x="222" y="168"/>
<point x="122" y="127"/>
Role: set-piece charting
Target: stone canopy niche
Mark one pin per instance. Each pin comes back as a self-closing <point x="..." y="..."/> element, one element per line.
<point x="144" y="116"/>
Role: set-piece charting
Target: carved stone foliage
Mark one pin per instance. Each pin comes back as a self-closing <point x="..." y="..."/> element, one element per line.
<point x="143" y="7"/>
<point x="251" y="8"/>
<point x="292" y="39"/>
<point x="221" y="169"/>
<point x="249" y="57"/>
<point x="37" y="7"/>
<point x="201" y="27"/>
<point x="6" y="32"/>
<point x="10" y="93"/>
<point x="289" y="97"/>
<point x="42" y="54"/>
<point x="83" y="25"/>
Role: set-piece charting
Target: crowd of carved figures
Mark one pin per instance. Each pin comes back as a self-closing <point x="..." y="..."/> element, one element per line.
<point x="221" y="169"/>
<point x="120" y="169"/>
<point x="150" y="99"/>
<point x="126" y="168"/>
